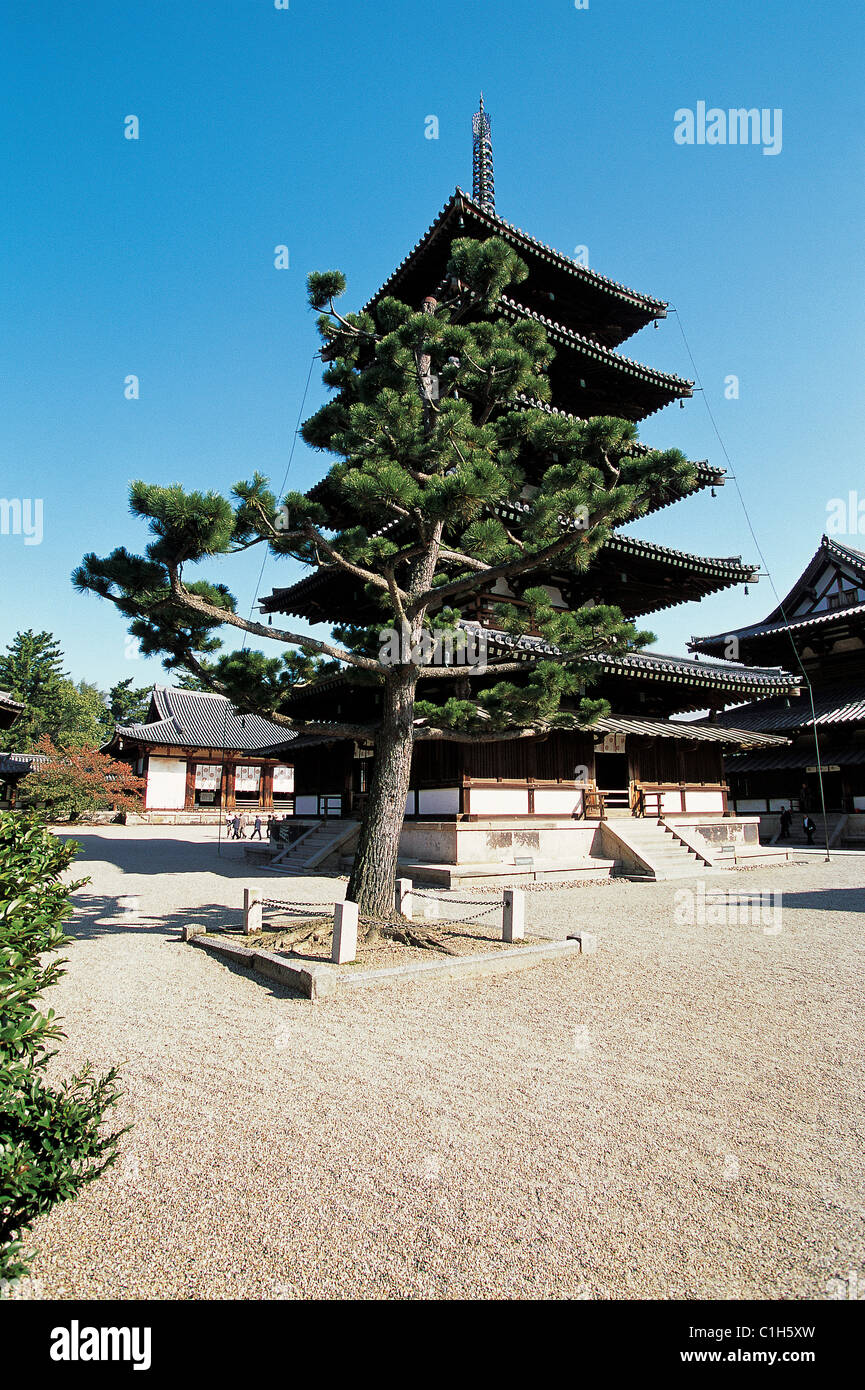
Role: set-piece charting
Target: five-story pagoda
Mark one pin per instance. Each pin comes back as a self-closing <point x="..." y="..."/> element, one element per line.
<point x="636" y="760"/>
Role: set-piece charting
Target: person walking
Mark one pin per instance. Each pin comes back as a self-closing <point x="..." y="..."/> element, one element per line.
<point x="235" y="826"/>
<point x="809" y="827"/>
<point x="786" y="821"/>
<point x="256" y="829"/>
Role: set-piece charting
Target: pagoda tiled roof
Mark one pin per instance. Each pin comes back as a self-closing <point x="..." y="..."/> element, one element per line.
<point x="679" y="387"/>
<point x="655" y="666"/>
<point x="330" y="579"/>
<point x="523" y="241"/>
<point x="728" y="678"/>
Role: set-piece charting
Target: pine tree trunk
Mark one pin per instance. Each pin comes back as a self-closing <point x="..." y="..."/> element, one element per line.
<point x="373" y="876"/>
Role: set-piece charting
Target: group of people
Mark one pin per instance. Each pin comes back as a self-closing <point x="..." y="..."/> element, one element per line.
<point x="808" y="825"/>
<point x="236" y="824"/>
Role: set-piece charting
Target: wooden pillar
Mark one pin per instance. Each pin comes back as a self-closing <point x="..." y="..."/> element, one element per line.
<point x="189" y="803"/>
<point x="266" y="789"/>
<point x="229" y="787"/>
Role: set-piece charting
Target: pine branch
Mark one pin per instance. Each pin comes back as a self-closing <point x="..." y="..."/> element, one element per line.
<point x="504" y="570"/>
<point x="192" y="603"/>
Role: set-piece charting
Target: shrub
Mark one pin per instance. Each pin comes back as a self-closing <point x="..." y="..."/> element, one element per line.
<point x="51" y="1139"/>
<point x="68" y="784"/>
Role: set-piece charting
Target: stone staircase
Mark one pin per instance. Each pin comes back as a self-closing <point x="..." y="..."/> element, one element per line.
<point x="322" y="842"/>
<point x="650" y="850"/>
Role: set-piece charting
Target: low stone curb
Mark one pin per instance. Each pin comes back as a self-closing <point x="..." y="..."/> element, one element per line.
<point x="319" y="981"/>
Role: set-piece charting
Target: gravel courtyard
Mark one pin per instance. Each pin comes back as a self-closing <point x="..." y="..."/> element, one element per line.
<point x="677" y="1116"/>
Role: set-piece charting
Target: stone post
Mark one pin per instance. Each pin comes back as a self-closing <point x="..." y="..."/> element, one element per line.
<point x="344" y="933"/>
<point x="251" y="911"/>
<point x="514" y="915"/>
<point x="403" y="903"/>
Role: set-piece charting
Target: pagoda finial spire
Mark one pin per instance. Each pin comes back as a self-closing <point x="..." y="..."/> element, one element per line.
<point x="483" y="185"/>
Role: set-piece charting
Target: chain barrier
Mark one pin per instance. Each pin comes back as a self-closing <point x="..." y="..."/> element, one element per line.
<point x="483" y="907"/>
<point x="301" y="909"/>
<point x="297" y="909"/>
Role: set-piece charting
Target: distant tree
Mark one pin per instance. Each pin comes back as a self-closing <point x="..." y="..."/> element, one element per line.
<point x="128" y="705"/>
<point x="32" y="669"/>
<point x="52" y="1141"/>
<point x="84" y="716"/>
<point x="68" y="784"/>
<point x="71" y="714"/>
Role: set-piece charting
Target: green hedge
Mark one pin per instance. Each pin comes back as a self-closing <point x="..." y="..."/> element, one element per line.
<point x="51" y="1136"/>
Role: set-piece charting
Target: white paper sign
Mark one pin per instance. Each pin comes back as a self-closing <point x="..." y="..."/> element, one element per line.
<point x="283" y="780"/>
<point x="208" y="777"/>
<point x="247" y="779"/>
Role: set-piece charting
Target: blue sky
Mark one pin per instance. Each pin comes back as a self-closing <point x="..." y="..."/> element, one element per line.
<point x="305" y="127"/>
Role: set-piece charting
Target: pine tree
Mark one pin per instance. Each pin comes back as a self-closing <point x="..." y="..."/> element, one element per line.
<point x="127" y="704"/>
<point x="71" y="714"/>
<point x="31" y="668"/>
<point x="432" y="439"/>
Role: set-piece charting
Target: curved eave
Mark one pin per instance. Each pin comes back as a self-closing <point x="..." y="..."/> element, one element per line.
<point x="678" y="387"/>
<point x="761" y="632"/>
<point x="644" y="307"/>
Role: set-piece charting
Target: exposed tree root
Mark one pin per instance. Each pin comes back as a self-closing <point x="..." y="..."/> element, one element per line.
<point x="314" y="933"/>
<point x="402" y="931"/>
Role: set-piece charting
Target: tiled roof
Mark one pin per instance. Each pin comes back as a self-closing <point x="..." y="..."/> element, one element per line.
<point x="727" y="570"/>
<point x="8" y="701"/>
<point x="776" y="622"/>
<point x="195" y="719"/>
<point x="498" y="226"/>
<point x="589" y="348"/>
<point x="795" y="758"/>
<point x="18" y="764"/>
<point x="716" y="675"/>
<point x="837" y="704"/>
<point x="701" y="733"/>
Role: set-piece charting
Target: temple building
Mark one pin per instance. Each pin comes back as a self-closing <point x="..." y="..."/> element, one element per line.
<point x="200" y="757"/>
<point x="820" y="624"/>
<point x="642" y="761"/>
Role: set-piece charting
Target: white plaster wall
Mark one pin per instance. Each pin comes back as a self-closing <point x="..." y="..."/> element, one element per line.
<point x="671" y="802"/>
<point x="499" y="801"/>
<point x="306" y="806"/>
<point x="166" y="784"/>
<point x="705" y="801"/>
<point x="438" y="801"/>
<point x="564" y="801"/>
